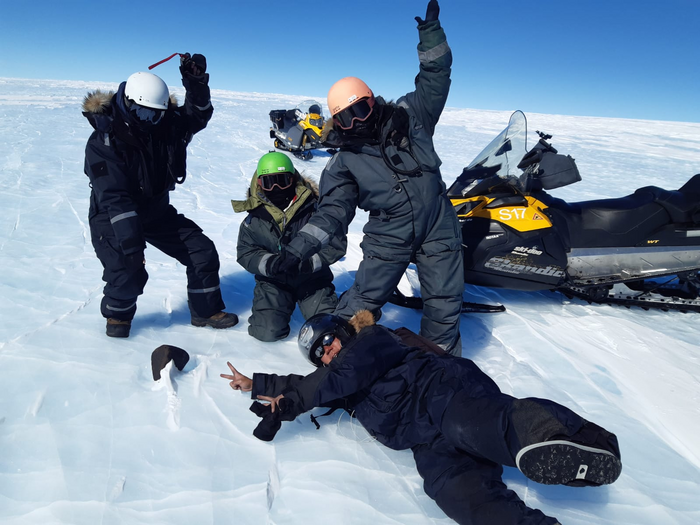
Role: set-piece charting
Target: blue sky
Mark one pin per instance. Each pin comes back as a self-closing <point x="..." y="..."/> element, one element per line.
<point x="614" y="58"/>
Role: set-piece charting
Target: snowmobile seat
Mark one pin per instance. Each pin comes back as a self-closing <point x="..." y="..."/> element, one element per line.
<point x="626" y="221"/>
<point x="682" y="205"/>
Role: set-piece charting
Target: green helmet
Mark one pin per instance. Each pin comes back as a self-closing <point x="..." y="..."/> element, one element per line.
<point x="274" y="162"/>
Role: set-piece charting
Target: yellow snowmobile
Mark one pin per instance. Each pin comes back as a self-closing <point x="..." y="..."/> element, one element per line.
<point x="298" y="130"/>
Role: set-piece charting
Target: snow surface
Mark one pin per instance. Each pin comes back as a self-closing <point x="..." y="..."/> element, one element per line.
<point x="87" y="436"/>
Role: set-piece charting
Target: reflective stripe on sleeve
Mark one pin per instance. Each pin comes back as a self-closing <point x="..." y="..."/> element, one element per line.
<point x="433" y="54"/>
<point x="316" y="263"/>
<point x="316" y="233"/>
<point x="262" y="265"/>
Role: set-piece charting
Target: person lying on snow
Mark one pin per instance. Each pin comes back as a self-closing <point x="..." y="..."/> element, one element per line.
<point x="280" y="201"/>
<point x="408" y="393"/>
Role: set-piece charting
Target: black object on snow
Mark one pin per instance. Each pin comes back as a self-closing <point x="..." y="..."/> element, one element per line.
<point x="162" y="355"/>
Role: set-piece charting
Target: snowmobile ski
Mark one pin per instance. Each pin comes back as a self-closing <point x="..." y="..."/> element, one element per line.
<point x="416" y="303"/>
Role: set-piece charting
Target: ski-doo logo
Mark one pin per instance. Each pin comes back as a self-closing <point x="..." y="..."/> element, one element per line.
<point x="500" y="264"/>
<point x="522" y="250"/>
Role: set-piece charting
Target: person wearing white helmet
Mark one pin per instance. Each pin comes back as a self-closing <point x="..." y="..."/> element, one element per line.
<point x="387" y="165"/>
<point x="135" y="156"/>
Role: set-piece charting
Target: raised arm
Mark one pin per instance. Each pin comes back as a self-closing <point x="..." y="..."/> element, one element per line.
<point x="433" y="80"/>
<point x="197" y="109"/>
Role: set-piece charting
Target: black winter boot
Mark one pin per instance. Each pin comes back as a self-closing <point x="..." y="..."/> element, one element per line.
<point x="220" y="320"/>
<point x="118" y="328"/>
<point x="591" y="457"/>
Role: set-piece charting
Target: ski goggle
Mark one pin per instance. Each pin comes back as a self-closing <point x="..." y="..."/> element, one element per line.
<point x="327" y="340"/>
<point x="360" y="111"/>
<point x="282" y="180"/>
<point x="144" y="114"/>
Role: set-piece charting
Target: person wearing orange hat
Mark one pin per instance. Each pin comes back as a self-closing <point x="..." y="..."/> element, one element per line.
<point x="387" y="165"/>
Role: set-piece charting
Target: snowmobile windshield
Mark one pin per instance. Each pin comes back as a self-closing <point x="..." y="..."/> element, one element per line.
<point x="507" y="149"/>
<point x="312" y="110"/>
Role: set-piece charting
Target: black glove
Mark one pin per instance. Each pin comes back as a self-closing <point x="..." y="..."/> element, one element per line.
<point x="193" y="66"/>
<point x="306" y="266"/>
<point x="271" y="421"/>
<point x="431" y="13"/>
<point x="195" y="79"/>
<point x="270" y="424"/>
<point x="285" y="264"/>
<point x="134" y="262"/>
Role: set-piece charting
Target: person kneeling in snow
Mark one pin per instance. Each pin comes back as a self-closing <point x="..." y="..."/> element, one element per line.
<point x="461" y="428"/>
<point x="279" y="203"/>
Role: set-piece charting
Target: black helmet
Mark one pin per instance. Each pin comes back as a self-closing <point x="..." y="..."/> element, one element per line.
<point x="312" y="332"/>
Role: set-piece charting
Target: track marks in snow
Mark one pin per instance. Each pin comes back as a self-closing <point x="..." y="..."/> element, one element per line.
<point x="38" y="403"/>
<point x="117" y="489"/>
<point x="173" y="402"/>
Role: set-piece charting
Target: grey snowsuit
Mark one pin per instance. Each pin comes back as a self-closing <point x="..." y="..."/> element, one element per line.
<point x="262" y="235"/>
<point x="410" y="217"/>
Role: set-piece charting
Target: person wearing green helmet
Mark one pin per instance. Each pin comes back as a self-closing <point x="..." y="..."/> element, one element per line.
<point x="279" y="203"/>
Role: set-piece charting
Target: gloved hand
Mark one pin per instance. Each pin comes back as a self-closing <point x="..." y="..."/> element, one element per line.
<point x="195" y="79"/>
<point x="306" y="267"/>
<point x="431" y="13"/>
<point x="195" y="65"/>
<point x="270" y="424"/>
<point x="134" y="262"/>
<point x="285" y="264"/>
<point x="271" y="421"/>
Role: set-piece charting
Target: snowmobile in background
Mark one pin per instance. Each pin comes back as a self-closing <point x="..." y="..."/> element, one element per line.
<point x="298" y="130"/>
<point x="639" y="250"/>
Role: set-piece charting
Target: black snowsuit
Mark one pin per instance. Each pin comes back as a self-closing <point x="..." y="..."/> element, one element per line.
<point x="459" y="425"/>
<point x="131" y="174"/>
<point x="397" y="179"/>
<point x="263" y="234"/>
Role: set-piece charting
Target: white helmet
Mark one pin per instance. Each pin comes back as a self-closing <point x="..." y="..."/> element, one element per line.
<point x="147" y="89"/>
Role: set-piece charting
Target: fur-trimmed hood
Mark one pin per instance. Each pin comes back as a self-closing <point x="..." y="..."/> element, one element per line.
<point x="99" y="101"/>
<point x="255" y="197"/>
<point x="100" y="107"/>
<point x="362" y="319"/>
<point x="305" y="189"/>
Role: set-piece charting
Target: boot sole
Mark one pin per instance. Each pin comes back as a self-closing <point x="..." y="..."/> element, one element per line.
<point x="204" y="323"/>
<point x="562" y="462"/>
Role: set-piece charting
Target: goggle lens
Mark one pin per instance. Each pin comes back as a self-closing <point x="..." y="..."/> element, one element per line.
<point x="144" y="114"/>
<point x="282" y="180"/>
<point x="326" y="341"/>
<point x="360" y="110"/>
